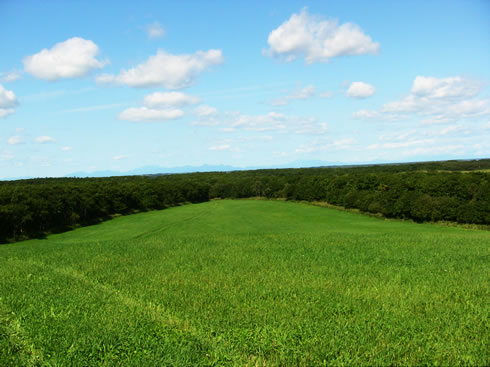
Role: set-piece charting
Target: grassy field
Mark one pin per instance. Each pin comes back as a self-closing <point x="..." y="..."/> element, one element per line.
<point x="247" y="282"/>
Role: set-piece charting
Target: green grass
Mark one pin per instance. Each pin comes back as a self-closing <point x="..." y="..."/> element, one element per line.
<point x="247" y="282"/>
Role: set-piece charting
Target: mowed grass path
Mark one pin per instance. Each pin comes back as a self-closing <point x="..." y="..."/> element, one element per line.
<point x="247" y="282"/>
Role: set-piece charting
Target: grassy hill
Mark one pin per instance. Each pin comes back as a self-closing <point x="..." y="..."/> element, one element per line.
<point x="247" y="282"/>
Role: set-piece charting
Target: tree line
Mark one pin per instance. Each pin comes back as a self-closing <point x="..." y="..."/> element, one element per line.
<point x="456" y="191"/>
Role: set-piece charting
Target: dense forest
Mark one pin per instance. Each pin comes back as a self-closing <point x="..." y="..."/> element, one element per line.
<point x="457" y="191"/>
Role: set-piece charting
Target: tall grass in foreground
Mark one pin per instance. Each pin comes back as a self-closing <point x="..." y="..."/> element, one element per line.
<point x="247" y="283"/>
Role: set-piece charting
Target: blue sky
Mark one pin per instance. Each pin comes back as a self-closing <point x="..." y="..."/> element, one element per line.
<point x="115" y="85"/>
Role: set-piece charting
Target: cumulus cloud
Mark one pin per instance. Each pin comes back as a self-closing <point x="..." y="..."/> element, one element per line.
<point x="150" y="114"/>
<point x="300" y="94"/>
<point x="166" y="70"/>
<point x="155" y="30"/>
<point x="7" y="101"/>
<point x="66" y="149"/>
<point x="72" y="58"/>
<point x="360" y="90"/>
<point x="170" y="99"/>
<point x="7" y="98"/>
<point x="435" y="100"/>
<point x="159" y="107"/>
<point x="452" y="87"/>
<point x="14" y="140"/>
<point x="318" y="39"/>
<point x="44" y="139"/>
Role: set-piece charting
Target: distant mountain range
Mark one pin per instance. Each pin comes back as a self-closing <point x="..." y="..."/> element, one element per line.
<point x="154" y="170"/>
<point x="157" y="170"/>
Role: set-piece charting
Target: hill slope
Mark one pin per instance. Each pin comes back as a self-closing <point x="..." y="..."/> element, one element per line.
<point x="246" y="282"/>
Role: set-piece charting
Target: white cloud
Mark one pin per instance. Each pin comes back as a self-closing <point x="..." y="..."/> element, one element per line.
<point x="7" y="98"/>
<point x="408" y="104"/>
<point x="11" y="76"/>
<point x="451" y="129"/>
<point x="44" y="139"/>
<point x="299" y="94"/>
<point x="322" y="145"/>
<point x="327" y="94"/>
<point x="360" y="90"/>
<point x="445" y="87"/>
<point x="317" y="39"/>
<point x="66" y="149"/>
<point x="364" y="114"/>
<point x="19" y="130"/>
<point x="206" y="116"/>
<point x="149" y="114"/>
<point x="14" y="140"/>
<point x="311" y="126"/>
<point x="467" y="109"/>
<point x="166" y="70"/>
<point x="205" y="110"/>
<point x="4" y="112"/>
<point x="274" y="121"/>
<point x="160" y="107"/>
<point x="72" y="58"/>
<point x="155" y="30"/>
<point x="402" y="144"/>
<point x="304" y="93"/>
<point x="456" y="139"/>
<point x="220" y="147"/>
<point x="170" y="99"/>
<point x="398" y="135"/>
<point x="269" y="121"/>
<point x="435" y="100"/>
<point x="7" y="101"/>
<point x="206" y="122"/>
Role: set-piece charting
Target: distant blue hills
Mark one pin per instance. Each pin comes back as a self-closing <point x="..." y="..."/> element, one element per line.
<point x="158" y="170"/>
<point x="155" y="170"/>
